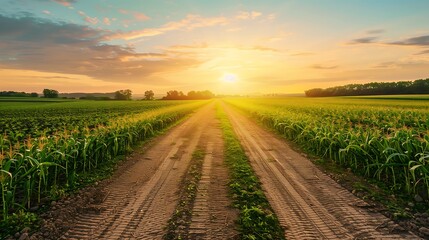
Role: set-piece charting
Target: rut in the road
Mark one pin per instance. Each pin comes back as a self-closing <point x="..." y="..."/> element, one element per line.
<point x="309" y="204"/>
<point x="142" y="199"/>
<point x="212" y="214"/>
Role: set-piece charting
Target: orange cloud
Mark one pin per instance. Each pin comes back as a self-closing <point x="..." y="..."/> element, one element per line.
<point x="137" y="15"/>
<point x="106" y="21"/>
<point x="65" y="3"/>
<point x="140" y="16"/>
<point x="88" y="19"/>
<point x="189" y="22"/>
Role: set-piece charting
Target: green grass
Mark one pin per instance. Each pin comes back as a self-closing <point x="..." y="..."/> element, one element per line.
<point x="179" y="223"/>
<point x="256" y="218"/>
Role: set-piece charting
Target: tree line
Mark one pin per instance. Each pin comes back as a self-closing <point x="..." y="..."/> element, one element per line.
<point x="124" y="94"/>
<point x="18" y="94"/>
<point x="420" y="86"/>
<point x="192" y="95"/>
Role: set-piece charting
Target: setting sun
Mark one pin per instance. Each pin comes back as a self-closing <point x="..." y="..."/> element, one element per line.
<point x="229" y="78"/>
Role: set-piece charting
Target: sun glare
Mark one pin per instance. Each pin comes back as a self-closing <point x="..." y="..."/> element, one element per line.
<point x="229" y="78"/>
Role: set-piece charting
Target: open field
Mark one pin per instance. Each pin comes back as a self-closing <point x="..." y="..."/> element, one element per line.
<point x="45" y="147"/>
<point x="308" y="203"/>
<point x="187" y="182"/>
<point x="22" y="120"/>
<point x="396" y="97"/>
<point x="214" y="119"/>
<point x="383" y="139"/>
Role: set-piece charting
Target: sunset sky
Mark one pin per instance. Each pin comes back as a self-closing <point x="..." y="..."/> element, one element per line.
<point x="227" y="46"/>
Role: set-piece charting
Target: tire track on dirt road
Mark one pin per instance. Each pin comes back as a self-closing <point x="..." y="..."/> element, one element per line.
<point x="213" y="215"/>
<point x="142" y="199"/>
<point x="309" y="204"/>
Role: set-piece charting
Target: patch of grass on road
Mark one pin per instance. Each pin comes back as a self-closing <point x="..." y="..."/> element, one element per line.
<point x="178" y="225"/>
<point x="256" y="219"/>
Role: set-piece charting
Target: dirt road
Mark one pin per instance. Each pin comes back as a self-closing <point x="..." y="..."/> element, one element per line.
<point x="309" y="204"/>
<point x="140" y="201"/>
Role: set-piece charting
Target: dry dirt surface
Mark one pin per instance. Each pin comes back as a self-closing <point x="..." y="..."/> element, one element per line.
<point x="212" y="215"/>
<point x="308" y="203"/>
<point x="138" y="203"/>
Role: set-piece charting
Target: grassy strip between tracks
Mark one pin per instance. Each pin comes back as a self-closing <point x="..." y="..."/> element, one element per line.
<point x="256" y="219"/>
<point x="178" y="225"/>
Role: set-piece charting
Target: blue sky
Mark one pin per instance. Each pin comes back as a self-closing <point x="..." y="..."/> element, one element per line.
<point x="269" y="46"/>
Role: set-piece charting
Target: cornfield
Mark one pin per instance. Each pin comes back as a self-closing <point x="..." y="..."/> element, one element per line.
<point x="45" y="147"/>
<point x="383" y="139"/>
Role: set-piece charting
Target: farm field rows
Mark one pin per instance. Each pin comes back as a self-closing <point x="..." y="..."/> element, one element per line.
<point x="384" y="139"/>
<point x="46" y="146"/>
<point x="307" y="202"/>
<point x="22" y="118"/>
<point x="273" y="187"/>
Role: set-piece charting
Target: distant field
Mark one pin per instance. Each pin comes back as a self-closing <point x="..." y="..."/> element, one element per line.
<point x="381" y="137"/>
<point x="397" y="97"/>
<point x="22" y="118"/>
<point x="33" y="99"/>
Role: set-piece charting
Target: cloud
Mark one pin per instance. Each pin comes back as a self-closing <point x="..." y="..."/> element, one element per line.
<point x="88" y="19"/>
<point x="206" y="46"/>
<point x="423" y="52"/>
<point x="249" y="15"/>
<point x="389" y="64"/>
<point x="35" y="31"/>
<point x="259" y="48"/>
<point x="186" y="47"/>
<point x="403" y="64"/>
<point x="190" y="22"/>
<point x="363" y="40"/>
<point x="271" y="16"/>
<point x="237" y="29"/>
<point x="319" y="66"/>
<point x="66" y="3"/>
<point x="106" y="21"/>
<point x="414" y="41"/>
<point x="42" y="45"/>
<point x="419" y="41"/>
<point x="138" y="16"/>
<point x="52" y="77"/>
<point x="299" y="54"/>
<point x="375" y="31"/>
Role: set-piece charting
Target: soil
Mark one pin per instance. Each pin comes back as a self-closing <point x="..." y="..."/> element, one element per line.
<point x="212" y="215"/>
<point x="138" y="201"/>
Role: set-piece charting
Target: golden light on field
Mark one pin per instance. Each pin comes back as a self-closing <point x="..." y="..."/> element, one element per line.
<point x="229" y="77"/>
<point x="245" y="48"/>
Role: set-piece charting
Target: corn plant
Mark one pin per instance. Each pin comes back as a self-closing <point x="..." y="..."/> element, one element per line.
<point x="34" y="165"/>
<point x="386" y="140"/>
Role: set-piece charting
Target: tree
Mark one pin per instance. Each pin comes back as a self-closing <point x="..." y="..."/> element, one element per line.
<point x="34" y="94"/>
<point x="420" y="86"/>
<point x="123" y="94"/>
<point x="50" y="93"/>
<point x="193" y="95"/>
<point x="174" y="95"/>
<point x="149" y="95"/>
